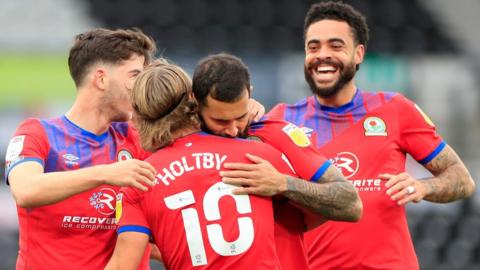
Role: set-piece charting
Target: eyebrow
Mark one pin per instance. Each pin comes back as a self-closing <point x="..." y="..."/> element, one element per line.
<point x="240" y="117"/>
<point x="134" y="71"/>
<point x="316" y="41"/>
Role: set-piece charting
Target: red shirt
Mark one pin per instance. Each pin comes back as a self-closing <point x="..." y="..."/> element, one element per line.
<point x="194" y="218"/>
<point x="79" y="232"/>
<point x="364" y="138"/>
<point x="309" y="164"/>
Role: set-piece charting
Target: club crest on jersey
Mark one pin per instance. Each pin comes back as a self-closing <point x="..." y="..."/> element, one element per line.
<point x="124" y="155"/>
<point x="118" y="207"/>
<point x="297" y="135"/>
<point x="425" y="116"/>
<point x="374" y="126"/>
<point x="347" y="162"/>
<point x="102" y="201"/>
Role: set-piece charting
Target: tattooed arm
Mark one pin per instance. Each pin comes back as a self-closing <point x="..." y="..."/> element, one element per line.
<point x="333" y="197"/>
<point x="451" y="181"/>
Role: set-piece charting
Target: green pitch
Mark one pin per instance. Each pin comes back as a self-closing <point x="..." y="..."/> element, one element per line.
<point x="27" y="79"/>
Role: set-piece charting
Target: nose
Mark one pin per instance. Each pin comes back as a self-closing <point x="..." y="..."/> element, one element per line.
<point x="322" y="53"/>
<point x="231" y="131"/>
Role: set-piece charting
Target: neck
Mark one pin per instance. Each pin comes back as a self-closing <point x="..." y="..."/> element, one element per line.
<point x="86" y="113"/>
<point x="186" y="131"/>
<point x="344" y="96"/>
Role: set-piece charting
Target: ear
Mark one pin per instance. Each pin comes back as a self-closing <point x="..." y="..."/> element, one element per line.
<point x="359" y="54"/>
<point x="99" y="78"/>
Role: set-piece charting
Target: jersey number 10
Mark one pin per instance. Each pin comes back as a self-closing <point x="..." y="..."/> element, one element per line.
<point x="211" y="209"/>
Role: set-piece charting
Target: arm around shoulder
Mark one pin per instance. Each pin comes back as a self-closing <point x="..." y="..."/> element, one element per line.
<point x="31" y="187"/>
<point x="332" y="198"/>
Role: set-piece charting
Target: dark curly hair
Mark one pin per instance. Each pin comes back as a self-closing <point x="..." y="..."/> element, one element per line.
<point x="339" y="12"/>
<point x="223" y="77"/>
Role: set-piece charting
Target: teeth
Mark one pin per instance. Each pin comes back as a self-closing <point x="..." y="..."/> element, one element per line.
<point x="325" y="69"/>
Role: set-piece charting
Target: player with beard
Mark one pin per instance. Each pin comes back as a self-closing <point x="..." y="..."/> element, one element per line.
<point x="367" y="135"/>
<point x="191" y="215"/>
<point x="221" y="85"/>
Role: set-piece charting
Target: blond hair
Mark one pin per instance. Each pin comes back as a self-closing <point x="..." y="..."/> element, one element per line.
<point x="163" y="104"/>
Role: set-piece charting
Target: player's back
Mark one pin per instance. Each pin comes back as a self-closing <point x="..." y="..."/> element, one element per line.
<point x="196" y="221"/>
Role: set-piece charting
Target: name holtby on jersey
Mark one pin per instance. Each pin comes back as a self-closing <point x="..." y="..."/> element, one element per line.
<point x="186" y="164"/>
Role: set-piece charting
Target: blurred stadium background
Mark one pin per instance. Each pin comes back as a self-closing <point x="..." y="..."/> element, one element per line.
<point x="427" y="49"/>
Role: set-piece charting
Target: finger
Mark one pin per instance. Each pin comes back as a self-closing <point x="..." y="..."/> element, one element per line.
<point x="237" y="181"/>
<point x="239" y="166"/>
<point x="255" y="159"/>
<point x="394" y="179"/>
<point x="397" y="187"/>
<point x="138" y="186"/>
<point x="148" y="166"/>
<point x="147" y="173"/>
<point x="257" y="117"/>
<point x="399" y="195"/>
<point x="259" y="114"/>
<point x="406" y="199"/>
<point x="245" y="191"/>
<point x="236" y="174"/>
<point x="144" y="179"/>
<point x="385" y="176"/>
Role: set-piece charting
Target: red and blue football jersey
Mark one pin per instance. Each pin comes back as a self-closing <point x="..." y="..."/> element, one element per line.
<point x="193" y="217"/>
<point x="364" y="138"/>
<point x="79" y="232"/>
<point x="309" y="164"/>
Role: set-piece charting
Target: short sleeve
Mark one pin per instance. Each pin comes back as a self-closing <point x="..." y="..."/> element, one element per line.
<point x="418" y="135"/>
<point x="129" y="214"/>
<point x="306" y="160"/>
<point x="29" y="143"/>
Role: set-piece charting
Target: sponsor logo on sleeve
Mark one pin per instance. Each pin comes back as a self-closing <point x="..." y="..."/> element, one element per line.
<point x="374" y="126"/>
<point x="118" y="207"/>
<point x="297" y="135"/>
<point x="15" y="148"/>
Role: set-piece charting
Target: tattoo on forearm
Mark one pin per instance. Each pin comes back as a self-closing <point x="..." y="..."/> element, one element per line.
<point x="333" y="197"/>
<point x="451" y="180"/>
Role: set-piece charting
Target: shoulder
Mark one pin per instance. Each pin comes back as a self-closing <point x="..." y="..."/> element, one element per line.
<point x="31" y="123"/>
<point x="33" y="128"/>
<point x="281" y="107"/>
<point x="124" y="128"/>
<point x="386" y="96"/>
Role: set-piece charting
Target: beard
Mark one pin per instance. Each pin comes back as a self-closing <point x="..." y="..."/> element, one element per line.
<point x="241" y="134"/>
<point x="346" y="75"/>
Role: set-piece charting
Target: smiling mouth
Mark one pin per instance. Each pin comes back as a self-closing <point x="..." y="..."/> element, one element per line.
<point x="324" y="73"/>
